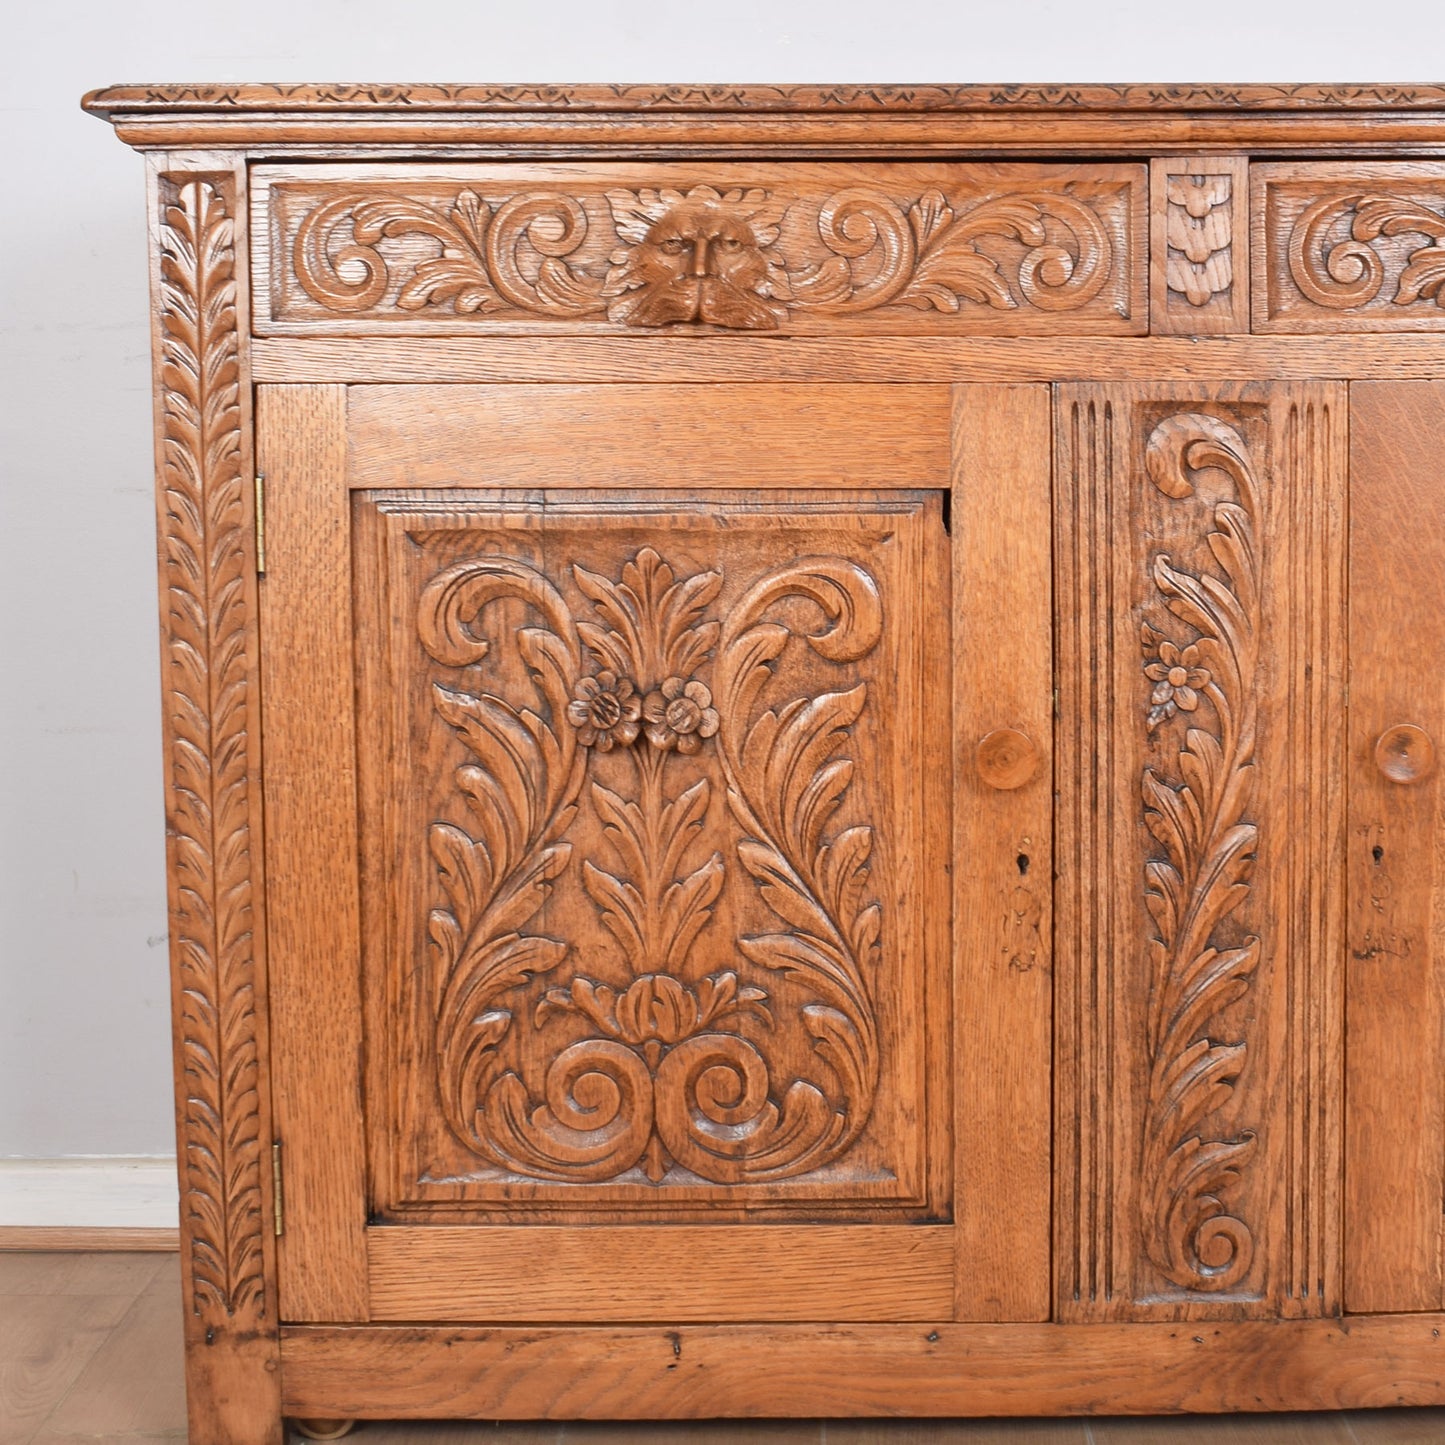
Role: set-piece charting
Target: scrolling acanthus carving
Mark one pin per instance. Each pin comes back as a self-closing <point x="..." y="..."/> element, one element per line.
<point x="205" y="577"/>
<point x="704" y="255"/>
<point x="659" y="1080"/>
<point x="1205" y="873"/>
<point x="1348" y="272"/>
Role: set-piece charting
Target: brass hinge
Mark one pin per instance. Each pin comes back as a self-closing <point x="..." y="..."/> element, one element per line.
<point x="260" y="525"/>
<point x="276" y="1187"/>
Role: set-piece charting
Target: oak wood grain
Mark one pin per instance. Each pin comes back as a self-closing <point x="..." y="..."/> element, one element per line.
<point x="703" y="1272"/>
<point x="1199" y="246"/>
<point x="625" y="1372"/>
<point x="312" y="850"/>
<point x="1201" y="616"/>
<point x="647" y="436"/>
<point x="211" y="728"/>
<point x="1395" y="1162"/>
<point x="993" y="249"/>
<point x="1003" y="850"/>
<point x="633" y="359"/>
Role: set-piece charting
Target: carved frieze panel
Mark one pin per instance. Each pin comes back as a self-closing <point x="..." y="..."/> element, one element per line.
<point x="1349" y="247"/>
<point x="657" y="911"/>
<point x="1199" y="238"/>
<point x="1200" y="691"/>
<point x="929" y="249"/>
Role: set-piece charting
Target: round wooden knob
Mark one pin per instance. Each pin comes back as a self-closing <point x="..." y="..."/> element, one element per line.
<point x="1007" y="758"/>
<point x="1405" y="753"/>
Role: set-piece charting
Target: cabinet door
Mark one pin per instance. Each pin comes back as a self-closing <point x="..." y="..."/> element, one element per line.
<point x="610" y="802"/>
<point x="1395" y="1139"/>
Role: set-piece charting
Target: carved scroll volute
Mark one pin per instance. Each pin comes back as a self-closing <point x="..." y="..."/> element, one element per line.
<point x="208" y="604"/>
<point x="1201" y="681"/>
<point x="741" y="257"/>
<point x="1349" y="246"/>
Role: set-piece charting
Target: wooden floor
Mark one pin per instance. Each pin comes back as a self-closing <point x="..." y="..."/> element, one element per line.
<point x="90" y="1349"/>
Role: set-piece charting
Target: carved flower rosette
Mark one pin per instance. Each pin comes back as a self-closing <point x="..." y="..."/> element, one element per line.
<point x="1034" y="251"/>
<point x="702" y="1009"/>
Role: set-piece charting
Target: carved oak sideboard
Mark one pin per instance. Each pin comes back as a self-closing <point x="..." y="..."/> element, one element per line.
<point x="801" y="735"/>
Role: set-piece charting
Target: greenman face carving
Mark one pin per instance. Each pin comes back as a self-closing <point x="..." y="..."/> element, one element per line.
<point x="702" y="257"/>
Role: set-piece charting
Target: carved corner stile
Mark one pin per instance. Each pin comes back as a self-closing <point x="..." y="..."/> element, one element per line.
<point x="1199" y="246"/>
<point x="205" y="502"/>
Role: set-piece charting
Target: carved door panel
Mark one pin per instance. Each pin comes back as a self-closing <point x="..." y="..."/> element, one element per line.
<point x="1395" y="1015"/>
<point x="616" y="863"/>
<point x="1201" y="604"/>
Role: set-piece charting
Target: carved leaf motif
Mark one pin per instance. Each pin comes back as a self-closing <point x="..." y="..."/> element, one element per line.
<point x="476" y="270"/>
<point x="1199" y="264"/>
<point x="656" y="624"/>
<point x="521" y="790"/>
<point x="1350" y="273"/>
<point x="205" y="559"/>
<point x="1204" y="876"/>
<point x="656" y="919"/>
<point x="661" y="1078"/>
<point x="705" y="256"/>
<point x="785" y="783"/>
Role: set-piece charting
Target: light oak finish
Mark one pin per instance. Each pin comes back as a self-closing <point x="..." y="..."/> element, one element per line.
<point x="647" y="436"/>
<point x="773" y="837"/>
<point x="1003" y="847"/>
<point x="1395" y="1169"/>
<point x="1199" y="240"/>
<point x="698" y="1272"/>
<point x="751" y="358"/>
<point x="981" y="248"/>
<point x="315" y="920"/>
<point x="619" y="1372"/>
<point x="1201" y="691"/>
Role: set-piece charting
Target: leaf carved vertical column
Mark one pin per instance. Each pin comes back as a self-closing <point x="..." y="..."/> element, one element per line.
<point x="1200" y="849"/>
<point x="208" y="610"/>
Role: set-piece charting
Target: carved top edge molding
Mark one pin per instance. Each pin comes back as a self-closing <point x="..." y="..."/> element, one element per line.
<point x="698" y="99"/>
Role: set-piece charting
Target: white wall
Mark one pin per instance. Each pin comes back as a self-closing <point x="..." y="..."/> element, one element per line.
<point x="84" y="1051"/>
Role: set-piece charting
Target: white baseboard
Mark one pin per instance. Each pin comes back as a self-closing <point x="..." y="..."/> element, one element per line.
<point x="90" y="1193"/>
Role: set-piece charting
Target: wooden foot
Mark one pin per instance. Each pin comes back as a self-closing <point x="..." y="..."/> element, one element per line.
<point x="324" y="1429"/>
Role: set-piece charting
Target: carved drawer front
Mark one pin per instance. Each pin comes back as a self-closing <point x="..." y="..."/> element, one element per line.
<point x="1199" y="581"/>
<point x="1349" y="247"/>
<point x="652" y="795"/>
<point x="928" y="249"/>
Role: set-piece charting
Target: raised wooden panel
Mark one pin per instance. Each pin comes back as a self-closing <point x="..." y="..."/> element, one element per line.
<point x="655" y="819"/>
<point x="1199" y="245"/>
<point x="648" y="436"/>
<point x="1349" y="246"/>
<point x="1395" y="1014"/>
<point x="1200" y="833"/>
<point x="979" y="248"/>
<point x="686" y="1272"/>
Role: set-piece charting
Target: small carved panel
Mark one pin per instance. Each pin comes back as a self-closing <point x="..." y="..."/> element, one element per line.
<point x="1199" y="236"/>
<point x="1200" y="696"/>
<point x="654" y="884"/>
<point x="964" y="249"/>
<point x="1349" y="247"/>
